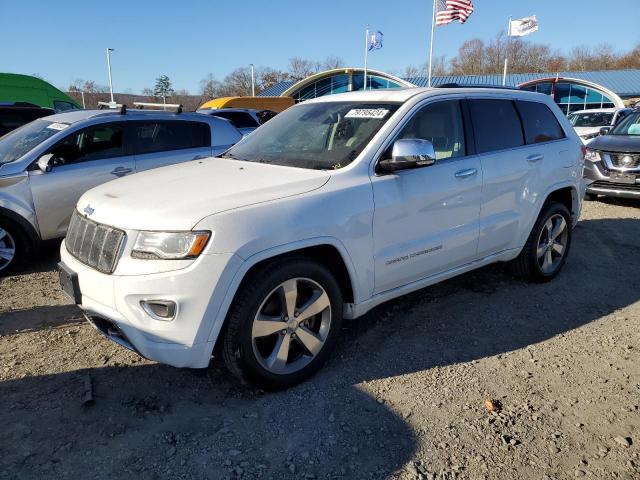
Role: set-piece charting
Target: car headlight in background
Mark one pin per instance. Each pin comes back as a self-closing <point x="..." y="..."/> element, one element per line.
<point x="169" y="245"/>
<point x="592" y="155"/>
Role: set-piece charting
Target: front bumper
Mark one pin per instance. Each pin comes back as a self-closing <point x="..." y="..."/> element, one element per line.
<point x="111" y="304"/>
<point x="597" y="180"/>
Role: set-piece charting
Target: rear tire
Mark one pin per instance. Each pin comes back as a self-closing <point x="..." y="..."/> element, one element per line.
<point x="547" y="247"/>
<point x="15" y="247"/>
<point x="283" y="323"/>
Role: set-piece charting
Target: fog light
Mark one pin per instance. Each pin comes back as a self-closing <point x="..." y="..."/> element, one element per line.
<point x="163" y="310"/>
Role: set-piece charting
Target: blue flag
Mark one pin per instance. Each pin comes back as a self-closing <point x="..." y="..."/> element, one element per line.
<point x="374" y="41"/>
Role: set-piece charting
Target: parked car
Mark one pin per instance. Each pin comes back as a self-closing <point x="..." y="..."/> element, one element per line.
<point x="612" y="166"/>
<point x="244" y="119"/>
<point x="275" y="104"/>
<point x="15" y="87"/>
<point x="336" y="205"/>
<point x="587" y="123"/>
<point x="46" y="165"/>
<point x="16" y="114"/>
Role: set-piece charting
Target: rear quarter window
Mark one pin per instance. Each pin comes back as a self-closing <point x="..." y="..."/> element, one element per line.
<point x="496" y="124"/>
<point x="539" y="122"/>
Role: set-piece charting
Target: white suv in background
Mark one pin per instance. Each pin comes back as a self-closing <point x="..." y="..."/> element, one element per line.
<point x="587" y="123"/>
<point x="334" y="206"/>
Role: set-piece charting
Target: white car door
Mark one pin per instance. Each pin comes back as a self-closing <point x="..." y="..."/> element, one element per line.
<point x="515" y="160"/>
<point x="83" y="160"/>
<point x="426" y="219"/>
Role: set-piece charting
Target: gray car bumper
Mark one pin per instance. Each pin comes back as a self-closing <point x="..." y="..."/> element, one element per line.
<point x="597" y="180"/>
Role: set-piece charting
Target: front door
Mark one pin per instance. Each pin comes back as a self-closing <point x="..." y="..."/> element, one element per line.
<point x="83" y="160"/>
<point x="426" y="219"/>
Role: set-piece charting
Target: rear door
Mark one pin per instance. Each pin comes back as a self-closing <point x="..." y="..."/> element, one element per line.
<point x="516" y="159"/>
<point x="157" y="143"/>
<point x="83" y="160"/>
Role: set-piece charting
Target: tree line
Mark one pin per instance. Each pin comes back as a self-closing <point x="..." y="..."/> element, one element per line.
<point x="474" y="57"/>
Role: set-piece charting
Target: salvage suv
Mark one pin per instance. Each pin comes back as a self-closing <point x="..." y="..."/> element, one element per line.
<point x="334" y="206"/>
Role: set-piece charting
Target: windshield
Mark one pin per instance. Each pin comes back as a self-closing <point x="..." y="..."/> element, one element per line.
<point x="21" y="140"/>
<point x="592" y="119"/>
<point x="322" y="136"/>
<point x="629" y="126"/>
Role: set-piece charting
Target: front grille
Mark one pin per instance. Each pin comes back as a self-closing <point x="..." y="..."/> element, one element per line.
<point x="615" y="186"/>
<point x="624" y="160"/>
<point x="94" y="244"/>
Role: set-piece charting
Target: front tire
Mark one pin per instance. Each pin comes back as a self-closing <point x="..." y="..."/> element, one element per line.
<point x="547" y="247"/>
<point x="283" y="324"/>
<point x="14" y="247"/>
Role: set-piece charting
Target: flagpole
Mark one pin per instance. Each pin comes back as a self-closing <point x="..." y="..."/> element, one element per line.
<point x="433" y="25"/>
<point x="366" y="54"/>
<point x="506" y="56"/>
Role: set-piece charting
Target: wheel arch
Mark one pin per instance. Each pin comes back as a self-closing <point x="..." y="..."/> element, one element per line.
<point x="28" y="229"/>
<point x="568" y="196"/>
<point x="327" y="251"/>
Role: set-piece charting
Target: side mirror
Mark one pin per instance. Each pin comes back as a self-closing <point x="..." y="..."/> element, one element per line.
<point x="410" y="153"/>
<point x="45" y="163"/>
<point x="605" y="130"/>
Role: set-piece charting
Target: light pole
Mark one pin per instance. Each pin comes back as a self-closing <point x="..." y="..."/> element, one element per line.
<point x="109" y="50"/>
<point x="253" y="81"/>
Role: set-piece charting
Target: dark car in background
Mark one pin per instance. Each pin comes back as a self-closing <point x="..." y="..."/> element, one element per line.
<point x="14" y="115"/>
<point x="244" y="119"/>
<point x="612" y="162"/>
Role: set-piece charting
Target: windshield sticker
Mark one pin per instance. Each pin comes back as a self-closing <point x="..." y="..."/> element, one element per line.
<point x="58" y="126"/>
<point x="367" y="113"/>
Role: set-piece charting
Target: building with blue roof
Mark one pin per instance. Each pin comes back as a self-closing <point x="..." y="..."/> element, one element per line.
<point x="572" y="91"/>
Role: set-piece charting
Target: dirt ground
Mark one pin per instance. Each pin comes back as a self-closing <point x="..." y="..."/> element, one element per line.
<point x="402" y="398"/>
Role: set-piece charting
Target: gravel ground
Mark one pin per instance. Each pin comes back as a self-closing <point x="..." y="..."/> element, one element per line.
<point x="402" y="398"/>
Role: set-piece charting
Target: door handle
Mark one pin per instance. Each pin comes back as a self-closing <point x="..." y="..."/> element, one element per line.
<point x="535" y="158"/>
<point x="121" y="171"/>
<point x="467" y="172"/>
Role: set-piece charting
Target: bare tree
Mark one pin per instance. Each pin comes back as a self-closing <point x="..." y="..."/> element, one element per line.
<point x="268" y="77"/>
<point x="411" y="71"/>
<point x="332" y="61"/>
<point x="470" y="58"/>
<point x="300" y="68"/>
<point x="210" y="87"/>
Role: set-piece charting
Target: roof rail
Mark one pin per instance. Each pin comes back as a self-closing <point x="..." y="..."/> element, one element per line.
<point x="462" y="85"/>
<point x="111" y="105"/>
<point x="163" y="106"/>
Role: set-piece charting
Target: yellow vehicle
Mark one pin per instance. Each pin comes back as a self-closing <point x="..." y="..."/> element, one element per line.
<point x="275" y="104"/>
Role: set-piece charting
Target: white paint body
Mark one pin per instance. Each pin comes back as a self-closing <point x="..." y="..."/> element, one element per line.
<point x="442" y="224"/>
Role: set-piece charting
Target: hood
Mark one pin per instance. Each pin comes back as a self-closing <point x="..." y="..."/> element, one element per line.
<point x="616" y="143"/>
<point x="586" y="130"/>
<point x="177" y="197"/>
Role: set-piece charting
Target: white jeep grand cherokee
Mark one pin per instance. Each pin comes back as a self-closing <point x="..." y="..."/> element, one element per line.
<point x="333" y="207"/>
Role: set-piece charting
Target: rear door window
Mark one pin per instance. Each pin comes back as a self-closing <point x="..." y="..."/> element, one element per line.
<point x="496" y="123"/>
<point x="162" y="136"/>
<point x="540" y="124"/>
<point x="239" y="119"/>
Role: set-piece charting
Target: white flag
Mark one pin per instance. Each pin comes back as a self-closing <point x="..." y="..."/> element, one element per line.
<point x="523" y="26"/>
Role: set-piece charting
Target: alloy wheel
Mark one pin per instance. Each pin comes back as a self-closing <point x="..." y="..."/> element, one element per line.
<point x="7" y="249"/>
<point x="291" y="326"/>
<point x="552" y="243"/>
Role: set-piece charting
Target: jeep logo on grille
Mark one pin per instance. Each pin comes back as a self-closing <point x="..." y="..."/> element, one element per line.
<point x="88" y="210"/>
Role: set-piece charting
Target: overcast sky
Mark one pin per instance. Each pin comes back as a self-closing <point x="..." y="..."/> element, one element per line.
<point x="186" y="40"/>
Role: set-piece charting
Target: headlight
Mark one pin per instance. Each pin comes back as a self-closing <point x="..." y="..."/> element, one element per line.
<point x="169" y="245"/>
<point x="592" y="155"/>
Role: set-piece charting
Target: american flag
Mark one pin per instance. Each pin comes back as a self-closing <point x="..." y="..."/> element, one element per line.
<point x="449" y="10"/>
